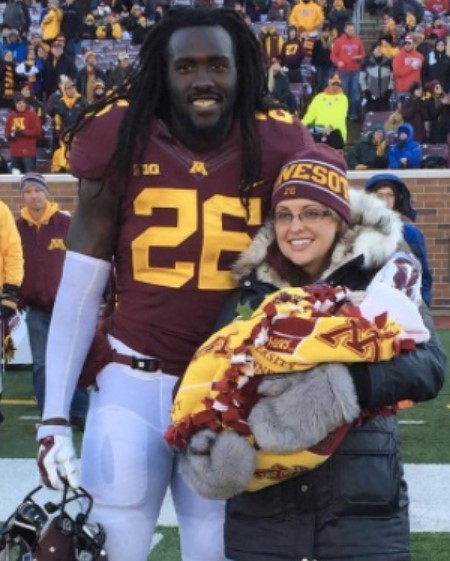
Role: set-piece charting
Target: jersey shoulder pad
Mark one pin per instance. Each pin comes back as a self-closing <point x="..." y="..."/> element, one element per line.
<point x="95" y="143"/>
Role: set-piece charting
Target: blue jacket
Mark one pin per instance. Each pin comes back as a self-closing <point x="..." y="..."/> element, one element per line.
<point x="409" y="149"/>
<point x="416" y="241"/>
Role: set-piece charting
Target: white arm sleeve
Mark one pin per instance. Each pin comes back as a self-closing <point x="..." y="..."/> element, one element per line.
<point x="72" y="328"/>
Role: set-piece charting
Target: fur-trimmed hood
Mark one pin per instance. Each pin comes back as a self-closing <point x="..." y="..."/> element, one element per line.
<point x="375" y="232"/>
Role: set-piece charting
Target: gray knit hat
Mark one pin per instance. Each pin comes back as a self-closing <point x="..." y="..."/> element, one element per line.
<point x="36" y="180"/>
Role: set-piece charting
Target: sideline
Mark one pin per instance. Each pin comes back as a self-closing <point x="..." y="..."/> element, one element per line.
<point x="430" y="497"/>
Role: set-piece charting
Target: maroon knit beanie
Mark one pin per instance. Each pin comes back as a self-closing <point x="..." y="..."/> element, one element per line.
<point x="317" y="173"/>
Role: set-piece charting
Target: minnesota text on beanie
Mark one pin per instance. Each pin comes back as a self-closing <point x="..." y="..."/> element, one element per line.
<point x="34" y="179"/>
<point x="318" y="173"/>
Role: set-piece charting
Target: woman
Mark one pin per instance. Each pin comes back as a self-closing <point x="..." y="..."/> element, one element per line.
<point x="438" y="111"/>
<point x="355" y="505"/>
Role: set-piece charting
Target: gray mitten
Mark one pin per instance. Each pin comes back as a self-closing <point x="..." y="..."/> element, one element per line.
<point x="218" y="465"/>
<point x="299" y="410"/>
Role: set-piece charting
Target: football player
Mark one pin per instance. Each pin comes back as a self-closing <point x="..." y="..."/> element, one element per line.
<point x="176" y="171"/>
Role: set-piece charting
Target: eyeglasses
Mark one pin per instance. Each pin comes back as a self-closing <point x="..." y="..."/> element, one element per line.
<point x="307" y="216"/>
<point x="388" y="196"/>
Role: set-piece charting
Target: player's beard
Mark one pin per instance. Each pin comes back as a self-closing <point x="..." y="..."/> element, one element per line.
<point x="208" y="135"/>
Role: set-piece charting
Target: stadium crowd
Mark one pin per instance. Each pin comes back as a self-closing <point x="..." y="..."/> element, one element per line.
<point x="56" y="58"/>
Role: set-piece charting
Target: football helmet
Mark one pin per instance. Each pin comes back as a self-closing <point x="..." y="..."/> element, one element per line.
<point x="43" y="533"/>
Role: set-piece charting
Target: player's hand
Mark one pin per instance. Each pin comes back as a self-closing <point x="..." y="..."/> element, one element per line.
<point x="56" y="459"/>
<point x="299" y="410"/>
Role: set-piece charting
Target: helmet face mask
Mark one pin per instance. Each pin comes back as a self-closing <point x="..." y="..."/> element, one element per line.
<point x="50" y="533"/>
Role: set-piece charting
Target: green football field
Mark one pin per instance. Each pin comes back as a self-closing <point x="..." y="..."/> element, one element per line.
<point x="425" y="441"/>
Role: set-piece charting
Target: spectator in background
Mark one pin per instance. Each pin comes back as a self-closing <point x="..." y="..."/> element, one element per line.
<point x="438" y="111"/>
<point x="51" y="22"/>
<point x="307" y="16"/>
<point x="27" y="90"/>
<point x="8" y="79"/>
<point x="71" y="24"/>
<point x="99" y="90"/>
<point x="437" y="7"/>
<point x="57" y="64"/>
<point x="278" y="11"/>
<point x="17" y="45"/>
<point x="376" y="80"/>
<point x="292" y="54"/>
<point x="22" y="130"/>
<point x="338" y="17"/>
<point x="407" y="66"/>
<point x="437" y="66"/>
<point x="395" y="194"/>
<point x="388" y="46"/>
<point x="414" y="112"/>
<point x="88" y="75"/>
<point x="321" y="57"/>
<point x="347" y="54"/>
<point x="140" y="31"/>
<point x="406" y="153"/>
<point x="43" y="230"/>
<point x="120" y="72"/>
<point x="110" y="27"/>
<point x="11" y="268"/>
<point x="17" y="16"/>
<point x="326" y="115"/>
<point x="394" y="120"/>
<point x="67" y="110"/>
<point x="400" y="9"/>
<point x="271" y="42"/>
<point x="370" y="152"/>
<point x="279" y="88"/>
<point x="27" y="71"/>
<point x="89" y="28"/>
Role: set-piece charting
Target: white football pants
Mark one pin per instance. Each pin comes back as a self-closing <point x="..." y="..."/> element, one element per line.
<point x="127" y="467"/>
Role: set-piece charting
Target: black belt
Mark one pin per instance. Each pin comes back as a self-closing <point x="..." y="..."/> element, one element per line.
<point x="137" y="363"/>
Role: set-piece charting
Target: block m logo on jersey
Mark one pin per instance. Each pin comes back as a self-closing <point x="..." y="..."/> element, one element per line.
<point x="199" y="168"/>
<point x="57" y="243"/>
<point x="364" y="343"/>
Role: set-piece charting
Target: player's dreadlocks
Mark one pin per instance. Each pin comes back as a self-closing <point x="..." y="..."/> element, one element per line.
<point x="147" y="92"/>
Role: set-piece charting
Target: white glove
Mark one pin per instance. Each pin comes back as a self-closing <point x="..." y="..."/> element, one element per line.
<point x="299" y="410"/>
<point x="56" y="459"/>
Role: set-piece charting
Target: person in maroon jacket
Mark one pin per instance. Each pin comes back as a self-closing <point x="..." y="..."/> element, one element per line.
<point x="43" y="229"/>
<point x="22" y="129"/>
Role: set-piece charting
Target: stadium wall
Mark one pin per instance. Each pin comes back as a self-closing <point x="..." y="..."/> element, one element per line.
<point x="430" y="190"/>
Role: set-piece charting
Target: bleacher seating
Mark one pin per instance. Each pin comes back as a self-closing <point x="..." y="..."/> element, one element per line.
<point x="372" y="118"/>
<point x="439" y="150"/>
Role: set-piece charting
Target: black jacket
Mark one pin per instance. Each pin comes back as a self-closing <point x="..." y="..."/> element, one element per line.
<point x="355" y="505"/>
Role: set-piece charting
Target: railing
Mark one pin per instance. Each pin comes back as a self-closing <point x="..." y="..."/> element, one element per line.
<point x="358" y="14"/>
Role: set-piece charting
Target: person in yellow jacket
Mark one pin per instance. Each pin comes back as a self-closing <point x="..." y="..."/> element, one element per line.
<point x="327" y="113"/>
<point x="11" y="271"/>
<point x="51" y="23"/>
<point x="307" y="16"/>
<point x="110" y="28"/>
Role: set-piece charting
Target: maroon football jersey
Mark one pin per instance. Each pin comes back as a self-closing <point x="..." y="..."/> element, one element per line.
<point x="182" y="227"/>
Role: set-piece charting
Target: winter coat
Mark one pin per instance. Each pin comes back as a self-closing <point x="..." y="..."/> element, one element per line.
<point x="328" y="110"/>
<point x="22" y="129"/>
<point x="376" y="77"/>
<point x="72" y="21"/>
<point x="438" y="114"/>
<point x="44" y="251"/>
<point x="365" y="152"/>
<point x="11" y="258"/>
<point x="51" y="24"/>
<point x="414" y="112"/>
<point x="416" y="241"/>
<point x="356" y="503"/>
<point x="321" y="54"/>
<point x="409" y="149"/>
<point x="437" y="67"/>
<point x="17" y="16"/>
<point x="53" y="69"/>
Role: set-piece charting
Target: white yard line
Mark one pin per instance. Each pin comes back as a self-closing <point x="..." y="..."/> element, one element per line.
<point x="428" y="488"/>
